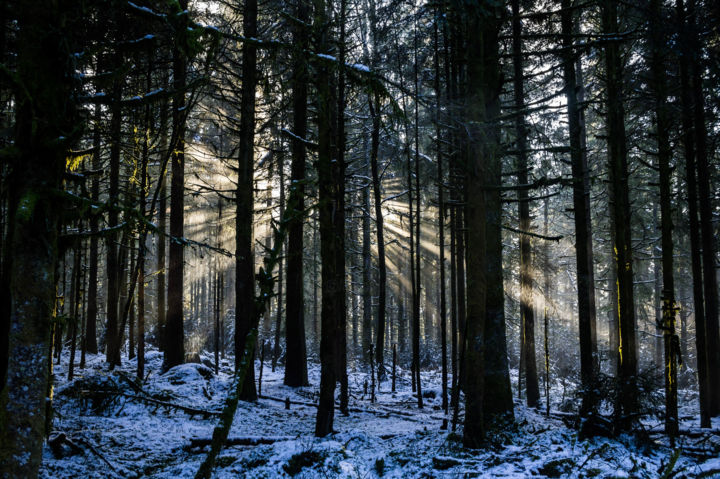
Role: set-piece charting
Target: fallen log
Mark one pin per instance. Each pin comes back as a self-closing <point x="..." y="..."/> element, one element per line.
<point x="382" y="411"/>
<point x="691" y="433"/>
<point x="199" y="442"/>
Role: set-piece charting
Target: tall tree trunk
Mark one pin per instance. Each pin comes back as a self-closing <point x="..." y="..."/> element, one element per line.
<point x="112" y="342"/>
<point x="705" y="197"/>
<point x="483" y="108"/>
<point x="695" y="240"/>
<point x="339" y="215"/>
<point x="662" y="132"/>
<point x="367" y="270"/>
<point x="76" y="306"/>
<point x="90" y="343"/>
<point x="45" y="112"/>
<point x="620" y="213"/>
<point x="244" y="255"/>
<point x="174" y="327"/>
<point x="142" y="237"/>
<point x="583" y="224"/>
<point x="374" y="103"/>
<point x="441" y="219"/>
<point x="418" y="281"/>
<point x="453" y="305"/>
<point x="331" y="221"/>
<point x="656" y="254"/>
<point x="527" y="310"/>
<point x="162" y="227"/>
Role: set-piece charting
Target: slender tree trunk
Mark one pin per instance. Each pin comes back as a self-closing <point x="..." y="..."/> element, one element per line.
<point x="695" y="240"/>
<point x="331" y="219"/>
<point x="75" y="307"/>
<point x="339" y="216"/>
<point x="143" y="236"/>
<point x="441" y="225"/>
<point x="112" y="348"/>
<point x="662" y="131"/>
<point x="244" y="255"/>
<point x="705" y="197"/>
<point x="620" y="213"/>
<point x="527" y="310"/>
<point x="174" y="327"/>
<point x="418" y="281"/>
<point x="162" y="227"/>
<point x="583" y="225"/>
<point x="129" y="298"/>
<point x="280" y="309"/>
<point x="367" y="270"/>
<point x="90" y="344"/>
<point x="656" y="253"/>
<point x="453" y="305"/>
<point x="374" y="103"/>
<point x="546" y="320"/>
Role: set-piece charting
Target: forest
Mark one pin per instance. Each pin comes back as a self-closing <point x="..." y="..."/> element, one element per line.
<point x="359" y="238"/>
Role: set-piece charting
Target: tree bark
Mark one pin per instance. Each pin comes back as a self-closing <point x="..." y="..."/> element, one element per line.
<point x="695" y="239"/>
<point x="90" y="343"/>
<point x="705" y="197"/>
<point x="527" y="310"/>
<point x="483" y="107"/>
<point x="45" y="113"/>
<point x="331" y="222"/>
<point x="244" y="255"/>
<point x="662" y="132"/>
<point x="162" y="227"/>
<point x="583" y="225"/>
<point x="620" y="213"/>
<point x="374" y="103"/>
<point x="174" y="327"/>
<point x="112" y="343"/>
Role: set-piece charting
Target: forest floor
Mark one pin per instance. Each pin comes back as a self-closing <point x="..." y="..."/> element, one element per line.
<point x="114" y="429"/>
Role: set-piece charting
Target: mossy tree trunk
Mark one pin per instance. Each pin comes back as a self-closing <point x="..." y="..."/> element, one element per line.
<point x="45" y="127"/>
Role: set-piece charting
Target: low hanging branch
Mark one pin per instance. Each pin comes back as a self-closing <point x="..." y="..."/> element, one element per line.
<point x="534" y="235"/>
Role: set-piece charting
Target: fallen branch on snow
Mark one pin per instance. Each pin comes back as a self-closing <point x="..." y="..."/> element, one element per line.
<point x="199" y="442"/>
<point x="155" y="402"/>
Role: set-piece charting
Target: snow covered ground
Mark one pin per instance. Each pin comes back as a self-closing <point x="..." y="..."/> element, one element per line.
<point x="122" y="436"/>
